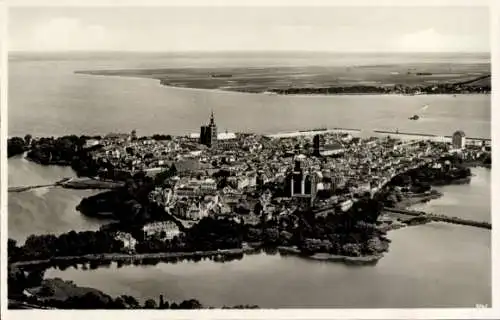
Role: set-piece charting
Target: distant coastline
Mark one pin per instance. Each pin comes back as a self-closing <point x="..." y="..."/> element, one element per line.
<point x="407" y="79"/>
<point x="369" y="90"/>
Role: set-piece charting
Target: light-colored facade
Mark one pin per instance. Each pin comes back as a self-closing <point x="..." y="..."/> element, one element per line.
<point x="169" y="228"/>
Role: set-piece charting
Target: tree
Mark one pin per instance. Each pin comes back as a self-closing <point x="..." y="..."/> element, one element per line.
<point x="34" y="278"/>
<point x="15" y="146"/>
<point x="130" y="301"/>
<point x="16" y="281"/>
<point x="150" y="304"/>
<point x="27" y="139"/>
<point x="119" y="303"/>
<point x="47" y="291"/>
<point x="12" y="248"/>
<point x="258" y="208"/>
<point x="285" y="237"/>
<point x="271" y="236"/>
<point x="90" y="300"/>
<point x="351" y="249"/>
<point x="190" y="304"/>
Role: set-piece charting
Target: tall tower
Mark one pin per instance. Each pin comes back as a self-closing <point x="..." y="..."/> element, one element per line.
<point x="208" y="133"/>
<point x="318" y="145"/>
<point x="297" y="179"/>
<point x="213" y="130"/>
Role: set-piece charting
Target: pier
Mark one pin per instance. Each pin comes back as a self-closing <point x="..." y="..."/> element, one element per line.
<point x="441" y="218"/>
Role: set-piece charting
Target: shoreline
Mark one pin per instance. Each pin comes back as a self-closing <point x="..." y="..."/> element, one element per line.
<point x="327" y="257"/>
<point x="250" y="249"/>
<point x="409" y="201"/>
<point x="312" y="95"/>
<point x="117" y="257"/>
<point x="271" y="93"/>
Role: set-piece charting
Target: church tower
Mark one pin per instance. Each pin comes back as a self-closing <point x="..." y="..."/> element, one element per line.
<point x="208" y="134"/>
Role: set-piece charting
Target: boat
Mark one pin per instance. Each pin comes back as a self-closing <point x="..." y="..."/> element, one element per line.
<point x="414" y="117"/>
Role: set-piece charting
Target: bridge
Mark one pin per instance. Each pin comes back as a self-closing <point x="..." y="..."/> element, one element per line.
<point x="441" y="218"/>
<point x="27" y="188"/>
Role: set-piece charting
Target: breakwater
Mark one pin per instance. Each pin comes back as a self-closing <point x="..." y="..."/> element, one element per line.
<point x="313" y="132"/>
<point x="395" y="134"/>
<point x="433" y="137"/>
<point x="441" y="218"/>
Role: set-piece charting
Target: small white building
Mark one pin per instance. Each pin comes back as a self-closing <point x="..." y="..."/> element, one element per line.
<point x="91" y="143"/>
<point x="155" y="228"/>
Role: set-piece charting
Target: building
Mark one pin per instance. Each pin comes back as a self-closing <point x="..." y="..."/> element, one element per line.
<point x="208" y="186"/>
<point x="227" y="140"/>
<point x="301" y="184"/>
<point x="458" y="140"/>
<point x="164" y="229"/>
<point x="318" y="144"/>
<point x="261" y="180"/>
<point x="195" y="209"/>
<point x="323" y="148"/>
<point x="91" y="143"/>
<point x="208" y="133"/>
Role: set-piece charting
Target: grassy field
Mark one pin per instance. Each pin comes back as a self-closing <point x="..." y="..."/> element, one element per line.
<point x="269" y="78"/>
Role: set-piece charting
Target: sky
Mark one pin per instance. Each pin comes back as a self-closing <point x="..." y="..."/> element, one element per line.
<point x="163" y="29"/>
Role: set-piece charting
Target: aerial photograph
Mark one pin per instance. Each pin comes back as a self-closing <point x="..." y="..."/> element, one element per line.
<point x="260" y="157"/>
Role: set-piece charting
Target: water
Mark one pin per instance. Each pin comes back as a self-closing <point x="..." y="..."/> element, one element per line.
<point x="435" y="265"/>
<point x="459" y="203"/>
<point x="47" y="98"/>
<point x="44" y="210"/>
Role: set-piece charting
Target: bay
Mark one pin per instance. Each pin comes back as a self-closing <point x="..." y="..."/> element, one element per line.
<point x="47" y="98"/>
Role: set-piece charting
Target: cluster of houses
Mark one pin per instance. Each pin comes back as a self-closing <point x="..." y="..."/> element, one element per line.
<point x="230" y="178"/>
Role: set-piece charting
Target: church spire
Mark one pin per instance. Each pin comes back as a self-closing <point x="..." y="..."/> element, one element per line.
<point x="212" y="121"/>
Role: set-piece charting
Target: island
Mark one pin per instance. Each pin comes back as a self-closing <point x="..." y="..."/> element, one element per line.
<point x="329" y="196"/>
<point x="405" y="79"/>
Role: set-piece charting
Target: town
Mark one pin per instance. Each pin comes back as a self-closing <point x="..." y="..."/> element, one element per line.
<point x="247" y="176"/>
